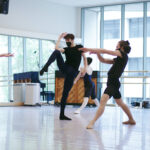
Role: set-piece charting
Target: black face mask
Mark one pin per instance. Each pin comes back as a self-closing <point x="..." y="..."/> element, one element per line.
<point x="68" y="44"/>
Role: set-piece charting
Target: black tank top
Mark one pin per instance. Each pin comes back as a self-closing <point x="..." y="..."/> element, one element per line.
<point x="119" y="65"/>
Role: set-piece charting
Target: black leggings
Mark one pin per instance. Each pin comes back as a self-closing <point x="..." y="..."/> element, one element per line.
<point x="89" y="89"/>
<point x="70" y="74"/>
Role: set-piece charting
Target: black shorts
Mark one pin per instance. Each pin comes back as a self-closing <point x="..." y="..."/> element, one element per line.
<point x="112" y="88"/>
<point x="89" y="90"/>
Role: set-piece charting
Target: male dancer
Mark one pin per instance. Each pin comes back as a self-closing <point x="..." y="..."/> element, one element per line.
<point x="89" y="86"/>
<point x="69" y="67"/>
<point x="113" y="83"/>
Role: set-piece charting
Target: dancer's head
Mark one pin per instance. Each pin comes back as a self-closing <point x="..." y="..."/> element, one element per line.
<point x="89" y="60"/>
<point x="124" y="46"/>
<point x="69" y="38"/>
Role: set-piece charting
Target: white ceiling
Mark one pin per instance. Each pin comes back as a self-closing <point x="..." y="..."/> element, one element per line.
<point x="88" y="3"/>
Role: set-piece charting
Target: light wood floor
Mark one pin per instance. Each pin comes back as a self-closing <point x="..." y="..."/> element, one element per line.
<point x="38" y="128"/>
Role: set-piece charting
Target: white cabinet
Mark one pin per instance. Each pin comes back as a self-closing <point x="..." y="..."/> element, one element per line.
<point x="19" y="92"/>
<point x="29" y="93"/>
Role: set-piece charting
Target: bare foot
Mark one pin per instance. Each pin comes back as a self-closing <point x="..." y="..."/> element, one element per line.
<point x="90" y="125"/>
<point x="131" y="122"/>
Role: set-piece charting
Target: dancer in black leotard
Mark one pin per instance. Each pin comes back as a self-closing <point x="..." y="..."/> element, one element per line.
<point x="113" y="83"/>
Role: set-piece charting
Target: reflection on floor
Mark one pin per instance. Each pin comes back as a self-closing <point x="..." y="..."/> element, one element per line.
<point x="38" y="128"/>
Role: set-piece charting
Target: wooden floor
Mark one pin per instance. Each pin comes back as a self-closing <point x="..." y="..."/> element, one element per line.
<point x="38" y="128"/>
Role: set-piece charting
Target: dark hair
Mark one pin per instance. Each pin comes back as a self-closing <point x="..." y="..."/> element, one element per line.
<point x="89" y="60"/>
<point x="126" y="46"/>
<point x="69" y="36"/>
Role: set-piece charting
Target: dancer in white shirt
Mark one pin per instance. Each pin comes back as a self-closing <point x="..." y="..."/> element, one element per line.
<point x="88" y="85"/>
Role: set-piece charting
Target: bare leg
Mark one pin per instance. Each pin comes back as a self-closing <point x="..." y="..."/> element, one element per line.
<point x="100" y="110"/>
<point x="127" y="111"/>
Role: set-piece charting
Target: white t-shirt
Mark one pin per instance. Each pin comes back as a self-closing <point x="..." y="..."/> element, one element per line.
<point x="89" y="70"/>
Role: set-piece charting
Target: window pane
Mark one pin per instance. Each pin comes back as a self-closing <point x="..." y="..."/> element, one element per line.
<point x="92" y="32"/>
<point x="148" y="53"/>
<point x="112" y="19"/>
<point x="17" y="49"/>
<point x="17" y="60"/>
<point x="48" y="78"/>
<point x="112" y="24"/>
<point x="32" y="54"/>
<point x="3" y="69"/>
<point x="134" y="33"/>
<point x="135" y="25"/>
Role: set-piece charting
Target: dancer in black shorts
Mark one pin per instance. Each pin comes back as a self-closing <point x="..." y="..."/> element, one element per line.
<point x="113" y="83"/>
<point x="89" y="86"/>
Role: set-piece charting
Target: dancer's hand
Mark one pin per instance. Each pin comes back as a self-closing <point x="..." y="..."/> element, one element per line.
<point x="80" y="74"/>
<point x="63" y="35"/>
<point x="7" y="55"/>
<point x="77" y="78"/>
<point x="10" y="55"/>
<point x="92" y="52"/>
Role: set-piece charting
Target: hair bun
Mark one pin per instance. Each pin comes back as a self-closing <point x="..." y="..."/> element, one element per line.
<point x="127" y="42"/>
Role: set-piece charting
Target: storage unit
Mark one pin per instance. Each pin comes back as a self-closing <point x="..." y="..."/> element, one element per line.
<point x="32" y="93"/>
<point x="77" y="92"/>
<point x="19" y="92"/>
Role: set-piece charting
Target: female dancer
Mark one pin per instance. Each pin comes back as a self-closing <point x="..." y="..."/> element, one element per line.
<point x="113" y="84"/>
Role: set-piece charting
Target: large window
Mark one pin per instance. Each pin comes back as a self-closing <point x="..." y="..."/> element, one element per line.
<point x="134" y="33"/>
<point x="3" y="69"/>
<point x="123" y="22"/>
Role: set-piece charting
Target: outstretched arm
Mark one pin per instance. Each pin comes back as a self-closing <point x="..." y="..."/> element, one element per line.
<point x="58" y="42"/>
<point x="102" y="51"/>
<point x="104" y="60"/>
<point x="6" y="55"/>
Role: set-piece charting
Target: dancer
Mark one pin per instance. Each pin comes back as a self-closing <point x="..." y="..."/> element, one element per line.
<point x="69" y="67"/>
<point x="113" y="84"/>
<point x="89" y="86"/>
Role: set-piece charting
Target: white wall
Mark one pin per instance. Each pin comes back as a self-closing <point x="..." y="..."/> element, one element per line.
<point x="39" y="18"/>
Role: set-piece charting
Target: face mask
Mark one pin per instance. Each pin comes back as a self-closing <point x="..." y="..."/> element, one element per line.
<point x="68" y="44"/>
